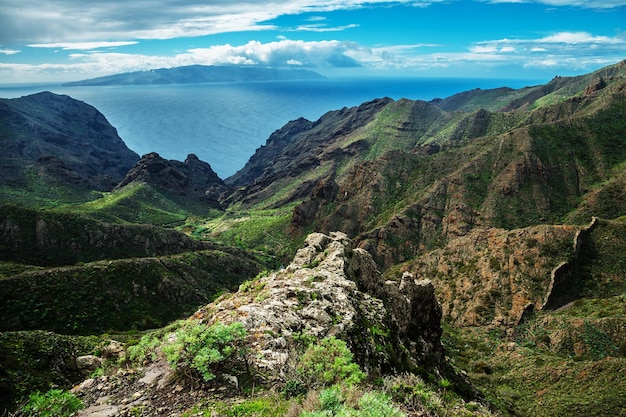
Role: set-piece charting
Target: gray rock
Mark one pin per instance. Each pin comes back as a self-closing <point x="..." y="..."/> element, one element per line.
<point x="88" y="362"/>
<point x="332" y="289"/>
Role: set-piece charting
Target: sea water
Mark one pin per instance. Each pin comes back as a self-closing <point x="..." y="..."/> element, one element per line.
<point x="224" y="123"/>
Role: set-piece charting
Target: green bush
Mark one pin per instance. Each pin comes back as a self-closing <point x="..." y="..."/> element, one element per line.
<point x="145" y="349"/>
<point x="54" y="403"/>
<point x="204" y="348"/>
<point x="375" y="404"/>
<point x="332" y="402"/>
<point x="327" y="363"/>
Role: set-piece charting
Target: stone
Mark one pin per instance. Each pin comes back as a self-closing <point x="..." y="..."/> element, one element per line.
<point x="88" y="363"/>
<point x="333" y="289"/>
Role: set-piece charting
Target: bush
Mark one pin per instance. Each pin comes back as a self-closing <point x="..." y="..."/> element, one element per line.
<point x="145" y="349"/>
<point x="332" y="402"/>
<point x="204" y="348"/>
<point x="327" y="363"/>
<point x="54" y="403"/>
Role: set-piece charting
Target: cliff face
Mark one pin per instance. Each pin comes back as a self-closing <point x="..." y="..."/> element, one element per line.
<point x="46" y="125"/>
<point x="192" y="178"/>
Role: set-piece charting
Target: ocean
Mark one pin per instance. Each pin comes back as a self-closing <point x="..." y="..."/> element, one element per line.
<point x="224" y="123"/>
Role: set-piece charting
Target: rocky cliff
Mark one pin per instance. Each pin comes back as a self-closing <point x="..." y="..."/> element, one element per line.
<point x="45" y="127"/>
<point x="192" y="178"/>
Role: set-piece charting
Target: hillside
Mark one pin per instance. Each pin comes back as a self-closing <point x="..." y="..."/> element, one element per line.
<point x="199" y="74"/>
<point x="60" y="139"/>
<point x="463" y="256"/>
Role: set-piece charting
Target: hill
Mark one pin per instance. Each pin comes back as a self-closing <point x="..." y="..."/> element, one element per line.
<point x="58" y="149"/>
<point x="462" y="256"/>
<point x="199" y="74"/>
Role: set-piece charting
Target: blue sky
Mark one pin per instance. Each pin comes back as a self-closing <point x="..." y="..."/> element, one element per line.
<point x="66" y="40"/>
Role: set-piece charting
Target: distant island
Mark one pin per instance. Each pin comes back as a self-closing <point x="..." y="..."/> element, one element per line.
<point x="199" y="74"/>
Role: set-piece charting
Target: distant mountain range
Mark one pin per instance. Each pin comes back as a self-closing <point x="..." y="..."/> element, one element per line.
<point x="199" y="74"/>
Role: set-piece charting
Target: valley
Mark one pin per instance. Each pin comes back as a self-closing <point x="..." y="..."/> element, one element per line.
<point x="461" y="257"/>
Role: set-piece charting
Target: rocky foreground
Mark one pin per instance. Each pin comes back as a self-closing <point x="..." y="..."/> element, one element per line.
<point x="330" y="289"/>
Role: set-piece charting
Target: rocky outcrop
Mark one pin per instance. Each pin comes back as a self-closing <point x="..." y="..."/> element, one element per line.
<point x="333" y="289"/>
<point x="562" y="288"/>
<point x="75" y="133"/>
<point x="192" y="178"/>
<point x="329" y="289"/>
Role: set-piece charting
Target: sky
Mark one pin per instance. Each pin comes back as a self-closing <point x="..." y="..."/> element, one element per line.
<point x="69" y="40"/>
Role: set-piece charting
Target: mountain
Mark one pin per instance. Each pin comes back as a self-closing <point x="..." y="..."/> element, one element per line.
<point x="192" y="178"/>
<point x="199" y="74"/>
<point x="462" y="256"/>
<point x="390" y="171"/>
<point x="62" y="139"/>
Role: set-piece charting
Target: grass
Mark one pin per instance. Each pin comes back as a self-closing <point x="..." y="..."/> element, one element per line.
<point x="266" y="231"/>
<point x="141" y="203"/>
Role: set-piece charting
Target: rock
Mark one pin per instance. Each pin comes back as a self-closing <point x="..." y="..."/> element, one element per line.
<point x="114" y="350"/>
<point x="596" y="84"/>
<point x="88" y="363"/>
<point x="332" y="289"/>
<point x="86" y="384"/>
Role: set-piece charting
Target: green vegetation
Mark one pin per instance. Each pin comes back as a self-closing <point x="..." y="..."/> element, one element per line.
<point x="206" y="348"/>
<point x="142" y="203"/>
<point x="122" y="294"/>
<point x="371" y="404"/>
<point x="54" y="403"/>
<point x="196" y="349"/>
<point x="38" y="360"/>
<point x="328" y="362"/>
<point x="265" y="231"/>
<point x="557" y="363"/>
<point x="34" y="191"/>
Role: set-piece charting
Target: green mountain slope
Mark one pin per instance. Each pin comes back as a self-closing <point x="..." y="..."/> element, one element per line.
<point x="510" y="202"/>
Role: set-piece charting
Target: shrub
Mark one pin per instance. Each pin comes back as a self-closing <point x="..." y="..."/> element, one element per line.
<point x="54" y="403"/>
<point x="377" y="404"/>
<point x="204" y="348"/>
<point x="327" y="363"/>
<point x="332" y="402"/>
<point x="145" y="349"/>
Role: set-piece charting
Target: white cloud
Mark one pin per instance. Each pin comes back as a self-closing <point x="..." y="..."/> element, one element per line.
<point x="322" y="28"/>
<point x="282" y="53"/>
<point x="561" y="41"/>
<point x="9" y="51"/>
<point x="567" y="50"/>
<point x="578" y="37"/>
<point x="62" y="21"/>
<point x="587" y="4"/>
<point x="82" y="45"/>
